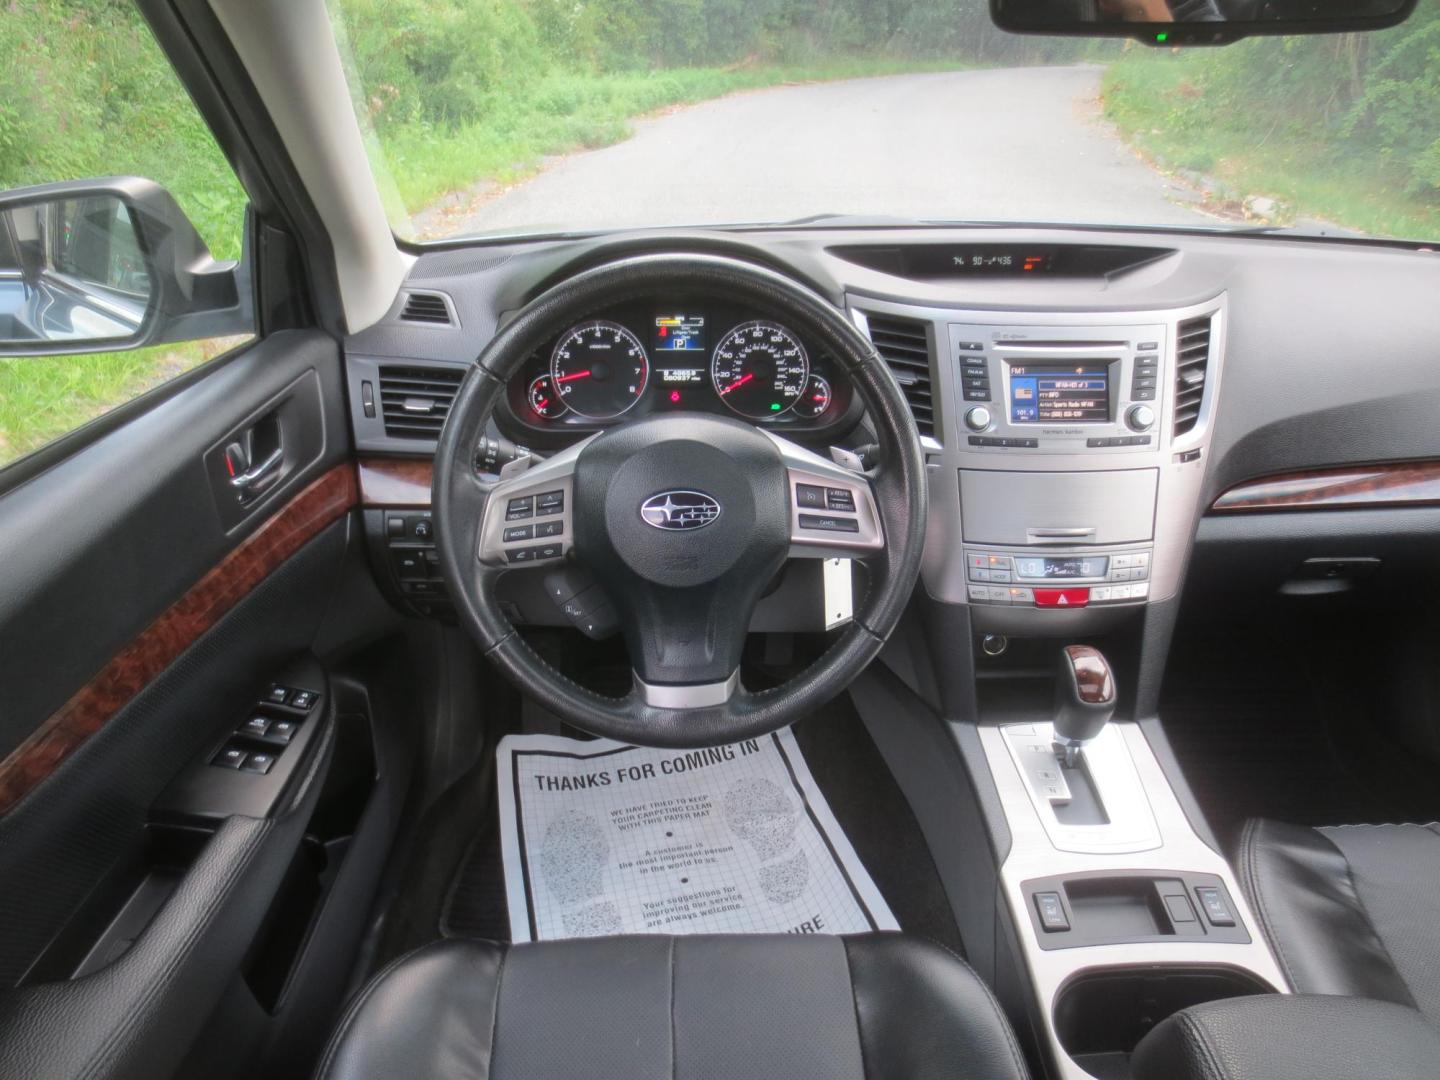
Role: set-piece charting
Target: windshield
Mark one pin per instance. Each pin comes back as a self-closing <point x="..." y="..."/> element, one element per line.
<point x="540" y="116"/>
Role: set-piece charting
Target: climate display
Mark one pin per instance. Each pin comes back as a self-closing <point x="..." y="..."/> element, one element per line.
<point x="1053" y="568"/>
<point x="1060" y="393"/>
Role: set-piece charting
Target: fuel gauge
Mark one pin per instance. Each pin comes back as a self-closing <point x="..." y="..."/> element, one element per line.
<point x="544" y="401"/>
<point x="814" y="401"/>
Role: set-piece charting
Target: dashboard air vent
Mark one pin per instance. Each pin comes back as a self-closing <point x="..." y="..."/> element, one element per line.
<point x="414" y="401"/>
<point x="1192" y="358"/>
<point x="905" y="345"/>
<point x="427" y="307"/>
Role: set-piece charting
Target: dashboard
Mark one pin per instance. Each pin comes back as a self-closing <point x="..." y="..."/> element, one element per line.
<point x="676" y="354"/>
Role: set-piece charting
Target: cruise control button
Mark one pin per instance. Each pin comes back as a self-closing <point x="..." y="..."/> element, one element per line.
<point x="1062" y="597"/>
<point x="840" y="499"/>
<point x="827" y="523"/>
<point x="809" y="497"/>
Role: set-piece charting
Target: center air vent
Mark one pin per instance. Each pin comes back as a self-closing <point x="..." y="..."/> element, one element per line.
<point x="905" y="345"/>
<point x="415" y="400"/>
<point x="427" y="307"/>
<point x="1192" y="359"/>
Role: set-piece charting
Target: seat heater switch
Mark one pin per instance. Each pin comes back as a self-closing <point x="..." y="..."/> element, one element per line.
<point x="1052" y="912"/>
<point x="1215" y="905"/>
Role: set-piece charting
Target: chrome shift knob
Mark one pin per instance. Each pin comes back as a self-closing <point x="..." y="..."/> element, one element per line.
<point x="1084" y="698"/>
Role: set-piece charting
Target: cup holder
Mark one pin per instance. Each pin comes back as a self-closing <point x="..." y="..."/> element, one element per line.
<point x="1101" y="1015"/>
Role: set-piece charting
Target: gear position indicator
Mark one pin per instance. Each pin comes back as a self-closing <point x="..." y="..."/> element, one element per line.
<point x="601" y="838"/>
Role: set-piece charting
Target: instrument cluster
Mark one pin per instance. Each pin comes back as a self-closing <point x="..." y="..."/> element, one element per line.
<point x="645" y="358"/>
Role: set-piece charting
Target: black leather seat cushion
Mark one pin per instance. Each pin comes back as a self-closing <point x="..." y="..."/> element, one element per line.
<point x="1353" y="909"/>
<point x="787" y="1007"/>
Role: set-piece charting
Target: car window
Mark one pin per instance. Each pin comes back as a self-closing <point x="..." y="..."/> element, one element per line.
<point x="85" y="91"/>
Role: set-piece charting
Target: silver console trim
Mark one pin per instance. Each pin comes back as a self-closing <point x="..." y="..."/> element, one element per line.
<point x="1033" y="854"/>
<point x="1177" y="504"/>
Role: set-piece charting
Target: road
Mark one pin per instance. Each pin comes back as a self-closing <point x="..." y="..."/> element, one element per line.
<point x="1020" y="144"/>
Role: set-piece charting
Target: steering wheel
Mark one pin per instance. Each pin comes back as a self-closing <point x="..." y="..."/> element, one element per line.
<point x="682" y="518"/>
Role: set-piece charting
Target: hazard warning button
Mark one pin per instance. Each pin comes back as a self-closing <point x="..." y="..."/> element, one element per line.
<point x="1062" y="597"/>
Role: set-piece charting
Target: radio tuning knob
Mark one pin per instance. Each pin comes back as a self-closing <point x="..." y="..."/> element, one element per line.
<point x="978" y="418"/>
<point x="1140" y="417"/>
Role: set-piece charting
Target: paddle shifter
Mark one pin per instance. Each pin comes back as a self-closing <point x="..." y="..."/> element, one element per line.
<point x="1084" y="699"/>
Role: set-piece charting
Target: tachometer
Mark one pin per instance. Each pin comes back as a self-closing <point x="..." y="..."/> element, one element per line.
<point x="759" y="369"/>
<point x="599" y="369"/>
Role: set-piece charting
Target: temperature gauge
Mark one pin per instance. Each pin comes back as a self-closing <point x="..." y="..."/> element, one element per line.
<point x="544" y="401"/>
<point x="814" y="400"/>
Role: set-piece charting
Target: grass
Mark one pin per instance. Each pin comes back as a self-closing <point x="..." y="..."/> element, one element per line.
<point x="42" y="397"/>
<point x="561" y="113"/>
<point x="1164" y="107"/>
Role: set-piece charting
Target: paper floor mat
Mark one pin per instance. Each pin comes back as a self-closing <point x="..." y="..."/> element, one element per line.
<point x="600" y="838"/>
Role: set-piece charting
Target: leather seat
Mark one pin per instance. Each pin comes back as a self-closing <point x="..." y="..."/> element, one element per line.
<point x="787" y="1007"/>
<point x="1353" y="909"/>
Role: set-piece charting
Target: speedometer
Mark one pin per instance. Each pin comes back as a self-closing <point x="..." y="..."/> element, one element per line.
<point x="759" y="369"/>
<point x="599" y="369"/>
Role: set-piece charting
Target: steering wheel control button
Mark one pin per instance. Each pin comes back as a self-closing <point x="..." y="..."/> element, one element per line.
<point x="520" y="556"/>
<point x="1215" y="905"/>
<point x="548" y="551"/>
<point x="548" y="528"/>
<point x="231" y="757"/>
<point x="520" y="509"/>
<point x="259" y="763"/>
<point x="550" y="502"/>
<point x="840" y="499"/>
<point x="829" y="523"/>
<point x="518" y="533"/>
<point x="809" y="497"/>
<point x="1062" y="597"/>
<point x="1051" y="910"/>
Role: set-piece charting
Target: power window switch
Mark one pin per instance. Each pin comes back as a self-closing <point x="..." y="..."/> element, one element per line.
<point x="281" y="732"/>
<point x="277" y="694"/>
<point x="255" y="726"/>
<point x="231" y="757"/>
<point x="1051" y="910"/>
<point x="303" y="699"/>
<point x="258" y="763"/>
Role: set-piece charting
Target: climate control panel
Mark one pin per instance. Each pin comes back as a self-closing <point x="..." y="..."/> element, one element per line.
<point x="1057" y="579"/>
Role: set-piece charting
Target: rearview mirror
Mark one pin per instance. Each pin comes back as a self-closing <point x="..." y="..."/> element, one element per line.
<point x="1195" y="22"/>
<point x="101" y="265"/>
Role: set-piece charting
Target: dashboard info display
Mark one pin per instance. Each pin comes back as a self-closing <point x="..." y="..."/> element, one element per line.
<point x="1052" y="393"/>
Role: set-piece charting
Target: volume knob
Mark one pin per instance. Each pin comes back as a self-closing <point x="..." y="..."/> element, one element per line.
<point x="1140" y="417"/>
<point x="978" y="418"/>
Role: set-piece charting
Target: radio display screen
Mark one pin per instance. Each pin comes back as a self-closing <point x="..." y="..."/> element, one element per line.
<point x="1050" y="567"/>
<point x="1060" y="393"/>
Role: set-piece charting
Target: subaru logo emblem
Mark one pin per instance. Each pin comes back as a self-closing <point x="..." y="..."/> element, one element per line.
<point x="676" y="510"/>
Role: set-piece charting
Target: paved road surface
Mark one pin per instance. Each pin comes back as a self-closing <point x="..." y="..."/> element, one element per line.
<point x="1021" y="144"/>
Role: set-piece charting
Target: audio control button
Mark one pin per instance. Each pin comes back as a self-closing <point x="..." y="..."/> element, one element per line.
<point x="1140" y="417"/>
<point x="978" y="418"/>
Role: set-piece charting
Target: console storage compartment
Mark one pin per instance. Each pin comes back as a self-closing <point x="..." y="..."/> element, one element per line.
<point x="1102" y="1014"/>
<point x="1027" y="508"/>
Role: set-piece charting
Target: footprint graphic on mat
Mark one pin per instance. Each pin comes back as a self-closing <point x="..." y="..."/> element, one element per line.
<point x="759" y="812"/>
<point x="573" y="858"/>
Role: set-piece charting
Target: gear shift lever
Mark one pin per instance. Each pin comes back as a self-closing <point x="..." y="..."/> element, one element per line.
<point x="1084" y="699"/>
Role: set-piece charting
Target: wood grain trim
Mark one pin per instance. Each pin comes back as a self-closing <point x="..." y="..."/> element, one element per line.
<point x="157" y="646"/>
<point x="395" y="481"/>
<point x="1401" y="483"/>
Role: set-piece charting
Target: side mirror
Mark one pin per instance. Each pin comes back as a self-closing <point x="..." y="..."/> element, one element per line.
<point x="1195" y="22"/>
<point x="109" y="264"/>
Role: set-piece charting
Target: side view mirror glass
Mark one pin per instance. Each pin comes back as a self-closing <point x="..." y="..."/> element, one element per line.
<point x="108" y="264"/>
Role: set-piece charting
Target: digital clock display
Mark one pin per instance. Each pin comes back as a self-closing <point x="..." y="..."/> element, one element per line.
<point x="992" y="260"/>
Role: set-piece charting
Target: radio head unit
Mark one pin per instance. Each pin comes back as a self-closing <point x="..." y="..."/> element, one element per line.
<point x="1060" y="389"/>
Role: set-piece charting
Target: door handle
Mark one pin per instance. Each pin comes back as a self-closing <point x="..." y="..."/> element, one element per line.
<point x="257" y="476"/>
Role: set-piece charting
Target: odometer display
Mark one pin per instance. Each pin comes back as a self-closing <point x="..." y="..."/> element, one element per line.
<point x="759" y="370"/>
<point x="599" y="369"/>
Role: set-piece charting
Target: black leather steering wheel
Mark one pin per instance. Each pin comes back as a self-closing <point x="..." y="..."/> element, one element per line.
<point x="684" y="592"/>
